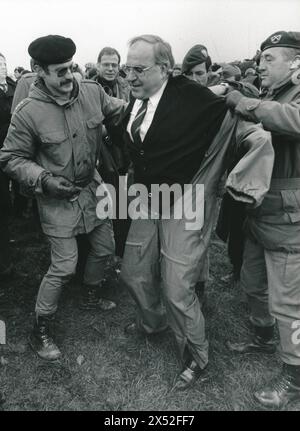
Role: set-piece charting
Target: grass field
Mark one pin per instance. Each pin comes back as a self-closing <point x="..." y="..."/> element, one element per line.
<point x="104" y="369"/>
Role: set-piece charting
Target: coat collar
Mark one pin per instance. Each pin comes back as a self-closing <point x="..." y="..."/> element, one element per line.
<point x="162" y="110"/>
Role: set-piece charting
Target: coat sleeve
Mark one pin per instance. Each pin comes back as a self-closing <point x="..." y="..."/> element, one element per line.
<point x="112" y="108"/>
<point x="283" y="118"/>
<point x="17" y="156"/>
<point x="250" y="179"/>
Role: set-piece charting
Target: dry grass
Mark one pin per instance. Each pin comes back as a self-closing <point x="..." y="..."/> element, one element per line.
<point x="116" y="372"/>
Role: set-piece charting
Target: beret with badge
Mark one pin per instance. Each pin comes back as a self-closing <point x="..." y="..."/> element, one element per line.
<point x="286" y="39"/>
<point x="196" y="55"/>
<point x="52" y="49"/>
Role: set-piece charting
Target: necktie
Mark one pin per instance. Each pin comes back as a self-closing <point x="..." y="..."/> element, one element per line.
<point x="3" y="87"/>
<point x="137" y="122"/>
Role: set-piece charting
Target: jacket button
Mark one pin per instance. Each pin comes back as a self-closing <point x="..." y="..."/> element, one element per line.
<point x="74" y="135"/>
<point x="142" y="152"/>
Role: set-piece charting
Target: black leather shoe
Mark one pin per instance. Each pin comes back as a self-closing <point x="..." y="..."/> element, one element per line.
<point x="282" y="390"/>
<point x="261" y="342"/>
<point x="188" y="377"/>
<point x="255" y="345"/>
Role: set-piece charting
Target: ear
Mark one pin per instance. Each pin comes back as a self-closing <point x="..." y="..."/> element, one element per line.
<point x="164" y="69"/>
<point x="295" y="64"/>
<point x="37" y="68"/>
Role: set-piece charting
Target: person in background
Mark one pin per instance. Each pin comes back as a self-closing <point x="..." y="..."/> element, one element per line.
<point x="7" y="88"/>
<point x="18" y="72"/>
<point x="230" y="72"/>
<point x="271" y="267"/>
<point x="115" y="160"/>
<point x="196" y="64"/>
<point x="90" y="70"/>
<point x="176" y="69"/>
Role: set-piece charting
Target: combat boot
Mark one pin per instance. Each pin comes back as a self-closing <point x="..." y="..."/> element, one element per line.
<point x="262" y="341"/>
<point x="281" y="390"/>
<point x="41" y="340"/>
<point x="91" y="301"/>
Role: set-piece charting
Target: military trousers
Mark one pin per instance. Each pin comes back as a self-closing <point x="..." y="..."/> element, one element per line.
<point x="271" y="280"/>
<point x="64" y="255"/>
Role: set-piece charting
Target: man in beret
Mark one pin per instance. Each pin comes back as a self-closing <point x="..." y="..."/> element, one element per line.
<point x="231" y="72"/>
<point x="51" y="148"/>
<point x="196" y="64"/>
<point x="271" y="270"/>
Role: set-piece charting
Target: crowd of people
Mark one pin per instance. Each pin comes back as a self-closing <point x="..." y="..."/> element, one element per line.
<point x="234" y="127"/>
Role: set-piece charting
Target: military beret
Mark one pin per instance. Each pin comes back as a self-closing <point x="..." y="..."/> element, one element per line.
<point x="196" y="55"/>
<point x="287" y="39"/>
<point x="230" y="70"/>
<point x="52" y="49"/>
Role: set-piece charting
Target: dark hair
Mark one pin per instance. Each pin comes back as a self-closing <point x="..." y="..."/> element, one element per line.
<point x="108" y="51"/>
<point x="162" y="50"/>
<point x="24" y="72"/>
<point x="19" y="69"/>
<point x="42" y="65"/>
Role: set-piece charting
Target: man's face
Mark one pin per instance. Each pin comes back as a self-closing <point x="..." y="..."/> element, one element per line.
<point x="59" y="79"/>
<point x="108" y="67"/>
<point x="273" y="67"/>
<point x="198" y="73"/>
<point x="148" y="82"/>
<point x="3" y="68"/>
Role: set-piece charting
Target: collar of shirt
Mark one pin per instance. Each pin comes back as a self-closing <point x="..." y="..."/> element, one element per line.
<point x="151" y="108"/>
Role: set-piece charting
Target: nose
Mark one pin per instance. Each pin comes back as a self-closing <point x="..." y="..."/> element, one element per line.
<point x="69" y="74"/>
<point x="261" y="66"/>
<point x="130" y="76"/>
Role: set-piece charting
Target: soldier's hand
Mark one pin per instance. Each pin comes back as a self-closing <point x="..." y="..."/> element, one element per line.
<point x="233" y="98"/>
<point x="59" y="187"/>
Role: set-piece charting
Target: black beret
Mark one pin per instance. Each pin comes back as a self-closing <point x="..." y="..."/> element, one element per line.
<point x="287" y="39"/>
<point x="196" y="55"/>
<point x="52" y="49"/>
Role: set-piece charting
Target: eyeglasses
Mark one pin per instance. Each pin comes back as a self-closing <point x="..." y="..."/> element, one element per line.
<point x="137" y="70"/>
<point x="107" y="65"/>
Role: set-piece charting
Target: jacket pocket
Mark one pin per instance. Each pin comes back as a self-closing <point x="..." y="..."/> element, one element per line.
<point x="133" y="252"/>
<point x="55" y="137"/>
<point x="291" y="204"/>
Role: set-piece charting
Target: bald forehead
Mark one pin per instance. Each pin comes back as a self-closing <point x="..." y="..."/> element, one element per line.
<point x="141" y="53"/>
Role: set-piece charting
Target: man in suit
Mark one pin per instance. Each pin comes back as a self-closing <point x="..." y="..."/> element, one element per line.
<point x="171" y="123"/>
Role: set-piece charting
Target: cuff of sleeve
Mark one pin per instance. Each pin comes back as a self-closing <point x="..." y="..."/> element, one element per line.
<point x="38" y="189"/>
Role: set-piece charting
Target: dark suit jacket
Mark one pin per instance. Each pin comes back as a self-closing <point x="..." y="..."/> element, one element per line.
<point x="186" y="120"/>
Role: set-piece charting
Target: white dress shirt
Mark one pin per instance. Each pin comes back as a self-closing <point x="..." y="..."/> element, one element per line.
<point x="151" y="108"/>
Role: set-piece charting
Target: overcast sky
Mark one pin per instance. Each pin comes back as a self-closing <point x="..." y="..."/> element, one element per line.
<point x="230" y="29"/>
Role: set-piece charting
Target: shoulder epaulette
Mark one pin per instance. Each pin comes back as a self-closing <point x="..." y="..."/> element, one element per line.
<point x="89" y="81"/>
